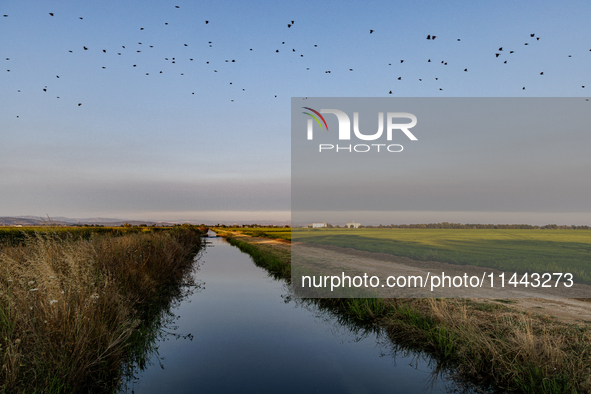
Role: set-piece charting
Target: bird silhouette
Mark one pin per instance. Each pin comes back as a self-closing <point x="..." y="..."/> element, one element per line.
<point x="371" y="31"/>
<point x="51" y="13"/>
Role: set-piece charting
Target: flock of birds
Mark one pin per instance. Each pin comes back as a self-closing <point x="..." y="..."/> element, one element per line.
<point x="498" y="54"/>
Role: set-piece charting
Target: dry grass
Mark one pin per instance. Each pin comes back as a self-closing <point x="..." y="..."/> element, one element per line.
<point x="69" y="306"/>
<point x="513" y="350"/>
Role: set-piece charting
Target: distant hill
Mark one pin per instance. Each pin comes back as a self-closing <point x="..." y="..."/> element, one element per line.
<point x="30" y="220"/>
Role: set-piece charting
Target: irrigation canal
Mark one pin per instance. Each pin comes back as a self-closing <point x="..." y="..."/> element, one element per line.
<point x="242" y="332"/>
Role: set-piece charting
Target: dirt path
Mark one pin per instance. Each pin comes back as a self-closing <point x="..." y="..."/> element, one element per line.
<point x="568" y="310"/>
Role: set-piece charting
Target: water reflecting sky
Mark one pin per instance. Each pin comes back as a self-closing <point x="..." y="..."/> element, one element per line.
<point x="245" y="337"/>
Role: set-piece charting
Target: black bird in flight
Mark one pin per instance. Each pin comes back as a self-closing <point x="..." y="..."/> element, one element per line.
<point x="497" y="54"/>
<point x="206" y="22"/>
<point x="428" y="36"/>
<point x="51" y="13"/>
<point x="79" y="104"/>
<point x="176" y="6"/>
<point x="86" y="49"/>
<point x="371" y="31"/>
<point x="531" y="35"/>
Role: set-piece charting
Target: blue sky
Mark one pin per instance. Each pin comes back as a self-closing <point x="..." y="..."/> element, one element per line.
<point x="172" y="146"/>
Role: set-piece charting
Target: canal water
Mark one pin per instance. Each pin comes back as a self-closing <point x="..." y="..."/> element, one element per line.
<point x="241" y="332"/>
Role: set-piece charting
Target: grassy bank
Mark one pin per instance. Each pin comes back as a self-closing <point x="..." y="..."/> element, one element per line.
<point x="483" y="342"/>
<point x="73" y="310"/>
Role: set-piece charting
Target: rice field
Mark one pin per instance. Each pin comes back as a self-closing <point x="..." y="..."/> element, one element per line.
<point x="514" y="250"/>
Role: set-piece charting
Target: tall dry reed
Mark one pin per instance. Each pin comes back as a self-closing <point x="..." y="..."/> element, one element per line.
<point x="68" y="306"/>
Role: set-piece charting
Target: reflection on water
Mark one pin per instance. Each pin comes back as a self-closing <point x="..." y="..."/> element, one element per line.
<point x="239" y="330"/>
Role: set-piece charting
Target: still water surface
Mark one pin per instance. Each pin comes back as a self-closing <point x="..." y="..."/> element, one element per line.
<point x="241" y="332"/>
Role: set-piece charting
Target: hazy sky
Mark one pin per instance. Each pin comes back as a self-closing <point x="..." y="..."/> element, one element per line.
<point x="173" y="145"/>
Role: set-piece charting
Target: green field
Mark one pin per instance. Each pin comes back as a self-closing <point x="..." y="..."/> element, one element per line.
<point x="509" y="250"/>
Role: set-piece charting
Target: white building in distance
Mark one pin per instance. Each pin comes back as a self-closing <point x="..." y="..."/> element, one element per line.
<point x="353" y="225"/>
<point x="318" y="225"/>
